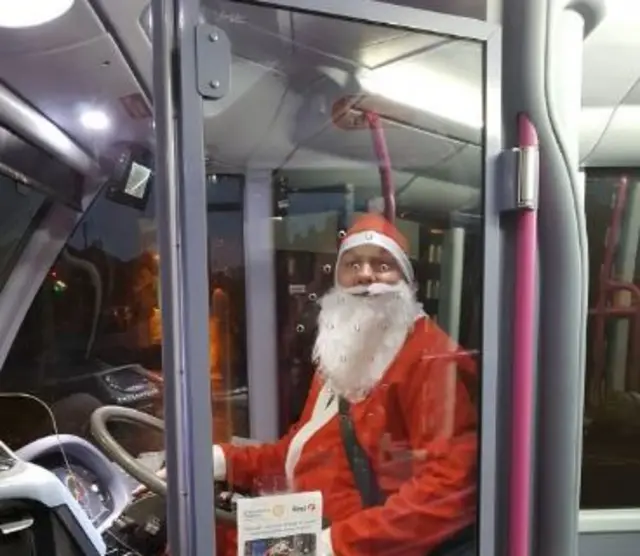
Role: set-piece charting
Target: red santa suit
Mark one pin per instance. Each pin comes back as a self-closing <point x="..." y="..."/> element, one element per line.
<point x="418" y="426"/>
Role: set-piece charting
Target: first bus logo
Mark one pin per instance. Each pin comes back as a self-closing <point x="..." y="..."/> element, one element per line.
<point x="308" y="508"/>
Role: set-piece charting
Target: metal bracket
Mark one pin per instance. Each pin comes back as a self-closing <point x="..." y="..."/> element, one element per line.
<point x="519" y="176"/>
<point x="213" y="59"/>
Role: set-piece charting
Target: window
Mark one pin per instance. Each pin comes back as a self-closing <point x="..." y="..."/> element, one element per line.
<point x="92" y="335"/>
<point x="21" y="210"/>
<point x="611" y="459"/>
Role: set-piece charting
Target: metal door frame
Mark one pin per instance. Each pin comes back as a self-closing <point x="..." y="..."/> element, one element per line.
<point x="183" y="244"/>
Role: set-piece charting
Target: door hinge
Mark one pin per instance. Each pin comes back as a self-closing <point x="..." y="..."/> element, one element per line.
<point x="519" y="177"/>
<point x="213" y="62"/>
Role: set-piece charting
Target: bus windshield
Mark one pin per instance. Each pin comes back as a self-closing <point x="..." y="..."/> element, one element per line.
<point x="92" y="335"/>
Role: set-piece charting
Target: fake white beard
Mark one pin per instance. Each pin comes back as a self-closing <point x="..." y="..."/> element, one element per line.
<point x="360" y="335"/>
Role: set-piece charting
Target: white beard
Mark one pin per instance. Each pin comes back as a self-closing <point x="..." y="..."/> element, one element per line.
<point x="359" y="336"/>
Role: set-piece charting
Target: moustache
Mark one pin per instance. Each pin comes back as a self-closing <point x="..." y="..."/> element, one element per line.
<point x="374" y="290"/>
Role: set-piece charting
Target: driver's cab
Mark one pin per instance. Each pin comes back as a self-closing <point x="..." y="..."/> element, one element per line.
<point x="323" y="119"/>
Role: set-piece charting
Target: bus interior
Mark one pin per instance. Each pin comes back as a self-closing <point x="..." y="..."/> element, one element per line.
<point x="310" y="115"/>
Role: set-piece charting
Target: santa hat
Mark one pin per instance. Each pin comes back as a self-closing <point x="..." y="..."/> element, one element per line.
<point x="375" y="229"/>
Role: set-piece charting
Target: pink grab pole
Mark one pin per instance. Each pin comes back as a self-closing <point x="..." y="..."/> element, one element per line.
<point x="384" y="164"/>
<point x="521" y="496"/>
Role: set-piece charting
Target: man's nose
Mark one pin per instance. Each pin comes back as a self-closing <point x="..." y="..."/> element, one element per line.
<point x="365" y="274"/>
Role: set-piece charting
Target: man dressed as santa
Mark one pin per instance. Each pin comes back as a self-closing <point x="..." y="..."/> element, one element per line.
<point x="401" y="379"/>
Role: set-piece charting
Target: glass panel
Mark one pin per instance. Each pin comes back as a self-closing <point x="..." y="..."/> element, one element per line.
<point x="335" y="116"/>
<point x="611" y="458"/>
<point x="227" y="328"/>
<point x="92" y="337"/>
<point x="19" y="216"/>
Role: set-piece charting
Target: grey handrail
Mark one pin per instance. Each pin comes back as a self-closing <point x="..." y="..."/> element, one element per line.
<point x="182" y="235"/>
<point x="27" y="122"/>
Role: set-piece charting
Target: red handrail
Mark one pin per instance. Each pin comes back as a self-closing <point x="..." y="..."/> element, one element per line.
<point x="524" y="350"/>
<point x="387" y="186"/>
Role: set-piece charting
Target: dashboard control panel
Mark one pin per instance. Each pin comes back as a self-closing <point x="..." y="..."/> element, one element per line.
<point x="24" y="483"/>
<point x="91" y="493"/>
<point x="96" y="484"/>
<point x="129" y="384"/>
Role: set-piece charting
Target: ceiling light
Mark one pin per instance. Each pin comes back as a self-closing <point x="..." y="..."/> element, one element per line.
<point x="95" y="120"/>
<point x="424" y="89"/>
<point x="29" y="13"/>
<point x="622" y="9"/>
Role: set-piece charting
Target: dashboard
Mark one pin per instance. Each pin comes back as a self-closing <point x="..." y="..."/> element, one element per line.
<point x="102" y="491"/>
<point x="99" y="486"/>
<point x="87" y="489"/>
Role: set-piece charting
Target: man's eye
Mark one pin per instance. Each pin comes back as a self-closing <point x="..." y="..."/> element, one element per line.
<point x="384" y="267"/>
<point x="355" y="266"/>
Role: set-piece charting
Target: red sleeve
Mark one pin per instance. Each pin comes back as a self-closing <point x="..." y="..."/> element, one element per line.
<point x="439" y="498"/>
<point x="249" y="467"/>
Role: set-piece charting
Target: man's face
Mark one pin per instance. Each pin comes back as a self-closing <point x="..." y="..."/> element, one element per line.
<point x="363" y="321"/>
<point x="367" y="264"/>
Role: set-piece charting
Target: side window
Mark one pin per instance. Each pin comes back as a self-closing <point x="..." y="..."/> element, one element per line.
<point x="611" y="455"/>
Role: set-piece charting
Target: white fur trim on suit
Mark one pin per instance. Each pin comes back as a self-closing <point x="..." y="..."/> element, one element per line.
<point x="325" y="409"/>
<point x="326" y="547"/>
<point x="219" y="464"/>
<point x="380" y="240"/>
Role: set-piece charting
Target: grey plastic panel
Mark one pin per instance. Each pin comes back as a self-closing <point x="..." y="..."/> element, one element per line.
<point x="26" y="481"/>
<point x="614" y="544"/>
<point x="79" y="450"/>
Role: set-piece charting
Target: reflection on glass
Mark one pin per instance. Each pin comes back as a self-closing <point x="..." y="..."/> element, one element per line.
<point x="227" y="331"/>
<point x="377" y="324"/>
<point x="611" y="460"/>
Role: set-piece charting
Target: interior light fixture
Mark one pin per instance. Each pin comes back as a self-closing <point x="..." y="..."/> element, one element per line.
<point x="426" y="90"/>
<point x="95" y="120"/>
<point x="622" y="10"/>
<point x="30" y="13"/>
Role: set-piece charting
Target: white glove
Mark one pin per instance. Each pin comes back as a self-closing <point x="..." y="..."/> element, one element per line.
<point x="219" y="470"/>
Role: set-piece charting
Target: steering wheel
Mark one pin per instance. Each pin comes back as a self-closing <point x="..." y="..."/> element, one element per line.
<point x="100" y="420"/>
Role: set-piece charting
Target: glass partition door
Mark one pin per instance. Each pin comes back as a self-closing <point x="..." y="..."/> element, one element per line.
<point x="334" y="111"/>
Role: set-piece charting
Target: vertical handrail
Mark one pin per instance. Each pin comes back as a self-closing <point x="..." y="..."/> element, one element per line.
<point x="182" y="239"/>
<point x="384" y="165"/>
<point x="521" y="500"/>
